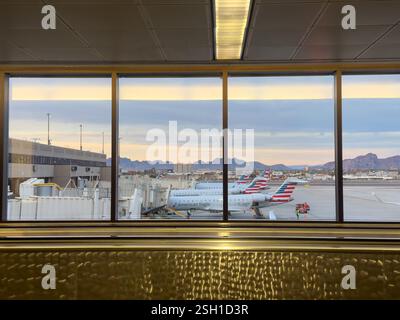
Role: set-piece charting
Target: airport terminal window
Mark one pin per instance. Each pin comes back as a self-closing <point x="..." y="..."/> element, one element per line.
<point x="170" y="148"/>
<point x="289" y="172"/>
<point x="292" y="118"/>
<point x="371" y="147"/>
<point x="59" y="149"/>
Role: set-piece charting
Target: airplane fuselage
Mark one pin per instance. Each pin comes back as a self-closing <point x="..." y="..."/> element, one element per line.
<point x="213" y="185"/>
<point x="252" y="198"/>
<point x="205" y="192"/>
<point x="236" y="202"/>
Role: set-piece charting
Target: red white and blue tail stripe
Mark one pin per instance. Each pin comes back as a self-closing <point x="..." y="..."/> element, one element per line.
<point x="243" y="179"/>
<point x="256" y="186"/>
<point x="284" y="192"/>
<point x="266" y="174"/>
<point x="246" y="179"/>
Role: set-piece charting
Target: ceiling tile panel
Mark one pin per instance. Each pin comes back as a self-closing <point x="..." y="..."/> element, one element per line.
<point x="61" y="37"/>
<point x="20" y="15"/>
<point x="118" y="38"/>
<point x="297" y="16"/>
<point x="263" y="53"/>
<point x="188" y="53"/>
<point x="380" y="12"/>
<point x="10" y="53"/>
<point x="175" y="37"/>
<point x="277" y="29"/>
<point x="150" y="53"/>
<point x="332" y="35"/>
<point x="183" y="31"/>
<point x="388" y="51"/>
<point x="392" y="37"/>
<point x="329" y="52"/>
<point x="283" y="37"/>
<point x="101" y="16"/>
<point x="61" y="54"/>
<point x="180" y="16"/>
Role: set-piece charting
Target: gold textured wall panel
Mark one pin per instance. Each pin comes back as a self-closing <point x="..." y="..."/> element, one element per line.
<point x="152" y="274"/>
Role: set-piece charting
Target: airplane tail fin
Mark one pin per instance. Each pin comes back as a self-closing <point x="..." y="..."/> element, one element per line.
<point x="257" y="185"/>
<point x="246" y="179"/>
<point x="285" y="191"/>
<point x="266" y="174"/>
<point x="243" y="179"/>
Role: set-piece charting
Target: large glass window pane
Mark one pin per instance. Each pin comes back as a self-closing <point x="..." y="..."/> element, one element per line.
<point x="289" y="173"/>
<point x="371" y="147"/>
<point x="170" y="148"/>
<point x="59" y="149"/>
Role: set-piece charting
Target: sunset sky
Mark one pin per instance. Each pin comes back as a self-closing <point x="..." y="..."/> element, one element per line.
<point x="292" y="116"/>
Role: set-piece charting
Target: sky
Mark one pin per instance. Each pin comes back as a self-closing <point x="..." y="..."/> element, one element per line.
<point x="292" y="117"/>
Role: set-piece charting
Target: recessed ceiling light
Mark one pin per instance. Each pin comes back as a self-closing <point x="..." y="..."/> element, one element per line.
<point x="230" y="26"/>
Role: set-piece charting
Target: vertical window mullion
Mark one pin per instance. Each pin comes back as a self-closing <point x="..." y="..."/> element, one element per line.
<point x="338" y="147"/>
<point x="4" y="88"/>
<point x="115" y="147"/>
<point x="225" y="143"/>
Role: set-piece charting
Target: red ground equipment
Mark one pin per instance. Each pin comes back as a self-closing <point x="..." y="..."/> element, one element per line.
<point x="302" y="208"/>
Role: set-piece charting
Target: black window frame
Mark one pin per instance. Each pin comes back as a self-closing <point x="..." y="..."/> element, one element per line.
<point x="115" y="73"/>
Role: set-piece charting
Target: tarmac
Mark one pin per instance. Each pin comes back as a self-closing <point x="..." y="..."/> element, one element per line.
<point x="361" y="203"/>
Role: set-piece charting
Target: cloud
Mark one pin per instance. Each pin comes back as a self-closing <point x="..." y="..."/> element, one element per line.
<point x="171" y="89"/>
<point x="62" y="112"/>
<point x="60" y="89"/>
<point x="294" y="156"/>
<point x="209" y="88"/>
<point x="371" y="115"/>
<point x="293" y="117"/>
<point x="189" y="114"/>
<point x="371" y="86"/>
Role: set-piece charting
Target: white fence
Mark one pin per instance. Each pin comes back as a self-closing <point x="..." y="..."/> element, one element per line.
<point x="59" y="208"/>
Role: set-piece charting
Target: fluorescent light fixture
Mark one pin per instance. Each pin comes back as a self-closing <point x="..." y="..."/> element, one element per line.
<point x="230" y="25"/>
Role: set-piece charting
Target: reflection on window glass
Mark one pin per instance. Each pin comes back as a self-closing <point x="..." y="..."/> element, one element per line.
<point x="59" y="149"/>
<point x="371" y="147"/>
<point x="286" y="171"/>
<point x="170" y="148"/>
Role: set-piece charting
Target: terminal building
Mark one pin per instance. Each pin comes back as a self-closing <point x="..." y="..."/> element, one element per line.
<point x="55" y="164"/>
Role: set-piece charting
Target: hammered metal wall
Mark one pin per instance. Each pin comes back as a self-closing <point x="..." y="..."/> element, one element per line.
<point x="197" y="275"/>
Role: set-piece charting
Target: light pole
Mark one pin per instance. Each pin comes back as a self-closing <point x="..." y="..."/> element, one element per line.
<point x="81" y="135"/>
<point x="48" y="129"/>
<point x="102" y="149"/>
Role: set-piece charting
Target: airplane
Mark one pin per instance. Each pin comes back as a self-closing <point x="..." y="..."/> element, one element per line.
<point x="236" y="202"/>
<point x="243" y="179"/>
<point x="258" y="184"/>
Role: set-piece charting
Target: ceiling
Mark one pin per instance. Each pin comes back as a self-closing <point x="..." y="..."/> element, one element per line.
<point x="181" y="31"/>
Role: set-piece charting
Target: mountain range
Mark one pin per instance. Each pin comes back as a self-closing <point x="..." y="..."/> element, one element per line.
<point x="136" y="165"/>
<point x="369" y="161"/>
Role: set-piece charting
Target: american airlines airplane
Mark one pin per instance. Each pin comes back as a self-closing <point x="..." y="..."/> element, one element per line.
<point x="258" y="184"/>
<point x="243" y="179"/>
<point x="236" y="202"/>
